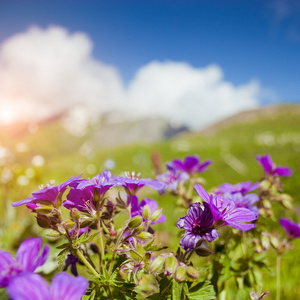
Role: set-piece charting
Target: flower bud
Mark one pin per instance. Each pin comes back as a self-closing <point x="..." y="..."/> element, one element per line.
<point x="43" y="221"/>
<point x="44" y="209"/>
<point x="274" y="242"/>
<point x="171" y="265"/>
<point x="74" y="214"/>
<point x="203" y="250"/>
<point x="157" y="265"/>
<point x="135" y="255"/>
<point x="96" y="195"/>
<point x="144" y="236"/>
<point x="286" y="201"/>
<point x="94" y="248"/>
<point x="156" y="215"/>
<point x="192" y="273"/>
<point x="267" y="204"/>
<point x="180" y="274"/>
<point x="139" y="228"/>
<point x="135" y="222"/>
<point x="68" y="224"/>
<point x="265" y="242"/>
<point x="146" y="212"/>
<point x="59" y="199"/>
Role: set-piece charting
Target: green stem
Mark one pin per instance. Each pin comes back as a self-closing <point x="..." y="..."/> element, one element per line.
<point x="88" y="265"/>
<point x="114" y="253"/>
<point x="278" y="276"/>
<point x="101" y="244"/>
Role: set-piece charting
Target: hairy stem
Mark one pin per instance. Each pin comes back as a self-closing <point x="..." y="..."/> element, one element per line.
<point x="278" y="276"/>
<point x="88" y="265"/>
<point x="101" y="244"/>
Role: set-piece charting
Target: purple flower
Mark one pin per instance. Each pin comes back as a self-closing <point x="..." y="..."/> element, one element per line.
<point x="132" y="183"/>
<point x="71" y="261"/>
<point x="225" y="211"/>
<point x="270" y="169"/>
<point x="191" y="164"/>
<point x="29" y="286"/>
<point x="137" y="209"/>
<point x="27" y="260"/>
<point x="198" y="225"/>
<point x="292" y="229"/>
<point x="83" y="196"/>
<point x="49" y="194"/>
<point x="245" y="201"/>
<point x="241" y="187"/>
<point x="172" y="178"/>
<point x="102" y="182"/>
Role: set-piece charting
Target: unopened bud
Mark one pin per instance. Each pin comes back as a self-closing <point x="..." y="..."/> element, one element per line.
<point x="275" y="242"/>
<point x="156" y="215"/>
<point x="96" y="195"/>
<point x="44" y="209"/>
<point x="157" y="265"/>
<point x="135" y="222"/>
<point x="135" y="255"/>
<point x="43" y="221"/>
<point x="267" y="204"/>
<point x="74" y="214"/>
<point x="180" y="274"/>
<point x="171" y="265"/>
<point x="286" y="201"/>
<point x="147" y="257"/>
<point x="146" y="212"/>
<point x="144" y="236"/>
<point x="265" y="184"/>
<point x="203" y="250"/>
<point x="265" y="242"/>
<point x="59" y="199"/>
<point x="94" y="248"/>
<point x="139" y="228"/>
<point x="68" y="224"/>
<point x="192" y="273"/>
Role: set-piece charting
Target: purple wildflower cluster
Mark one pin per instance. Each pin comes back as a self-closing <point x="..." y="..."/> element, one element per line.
<point x="92" y="204"/>
<point x="86" y="195"/>
<point x="180" y="171"/>
<point x="201" y="223"/>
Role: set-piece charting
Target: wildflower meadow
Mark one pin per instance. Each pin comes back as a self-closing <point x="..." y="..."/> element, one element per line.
<point x="102" y="232"/>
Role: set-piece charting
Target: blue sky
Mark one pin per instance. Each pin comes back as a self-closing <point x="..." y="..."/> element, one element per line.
<point x="248" y="40"/>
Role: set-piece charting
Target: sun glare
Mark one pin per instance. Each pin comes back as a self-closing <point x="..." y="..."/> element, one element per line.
<point x="7" y="115"/>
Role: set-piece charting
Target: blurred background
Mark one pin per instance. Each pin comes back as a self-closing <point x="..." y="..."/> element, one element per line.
<point x="92" y="85"/>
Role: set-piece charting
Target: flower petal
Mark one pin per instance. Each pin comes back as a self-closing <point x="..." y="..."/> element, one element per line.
<point x="27" y="254"/>
<point x="283" y="171"/>
<point x="66" y="287"/>
<point x="266" y="162"/>
<point x="29" y="286"/>
<point x="202" y="193"/>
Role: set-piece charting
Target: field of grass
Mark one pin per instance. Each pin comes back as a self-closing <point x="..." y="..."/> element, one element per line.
<point x="232" y="149"/>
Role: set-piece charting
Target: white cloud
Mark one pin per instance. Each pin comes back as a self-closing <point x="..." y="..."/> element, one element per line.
<point x="184" y="94"/>
<point x="43" y="71"/>
<point x="48" y="70"/>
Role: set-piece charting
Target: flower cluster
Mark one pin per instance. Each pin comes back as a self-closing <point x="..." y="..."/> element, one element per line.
<point x="105" y="226"/>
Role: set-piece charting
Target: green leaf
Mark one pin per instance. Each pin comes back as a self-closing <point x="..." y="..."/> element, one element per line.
<point x="61" y="257"/>
<point x="63" y="246"/>
<point x="176" y="290"/>
<point x="202" y="291"/>
<point x="165" y="286"/>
